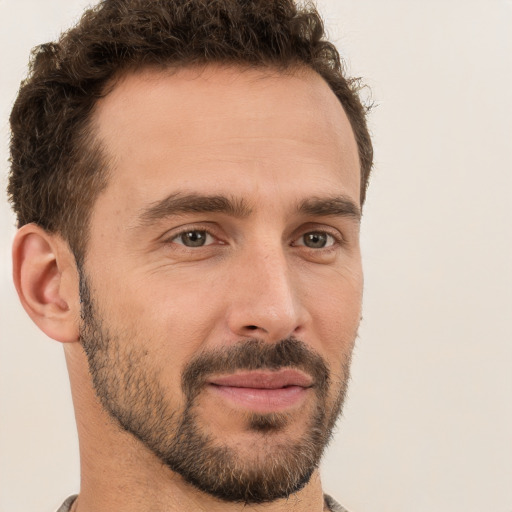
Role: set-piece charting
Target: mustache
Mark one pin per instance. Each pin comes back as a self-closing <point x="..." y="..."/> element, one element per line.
<point x="255" y="354"/>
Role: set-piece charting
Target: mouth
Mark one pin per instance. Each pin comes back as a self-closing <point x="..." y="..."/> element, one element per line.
<point x="263" y="391"/>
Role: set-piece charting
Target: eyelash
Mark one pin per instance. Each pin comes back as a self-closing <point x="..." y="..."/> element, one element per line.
<point x="194" y="230"/>
<point x="336" y="238"/>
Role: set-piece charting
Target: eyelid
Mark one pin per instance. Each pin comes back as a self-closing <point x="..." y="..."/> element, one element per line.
<point x="301" y="237"/>
<point x="316" y="228"/>
<point x="171" y="235"/>
<point x="176" y="239"/>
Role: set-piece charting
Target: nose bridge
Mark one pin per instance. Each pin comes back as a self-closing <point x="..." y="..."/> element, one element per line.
<point x="266" y="304"/>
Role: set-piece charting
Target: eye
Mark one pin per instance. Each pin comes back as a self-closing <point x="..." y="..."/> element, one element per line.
<point x="193" y="238"/>
<point x="316" y="240"/>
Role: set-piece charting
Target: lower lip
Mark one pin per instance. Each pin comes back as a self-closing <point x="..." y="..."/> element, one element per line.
<point x="262" y="400"/>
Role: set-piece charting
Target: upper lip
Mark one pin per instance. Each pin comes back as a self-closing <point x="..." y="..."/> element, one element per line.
<point x="264" y="379"/>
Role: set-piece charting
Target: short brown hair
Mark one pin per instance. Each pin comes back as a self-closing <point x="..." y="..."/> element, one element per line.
<point x="57" y="166"/>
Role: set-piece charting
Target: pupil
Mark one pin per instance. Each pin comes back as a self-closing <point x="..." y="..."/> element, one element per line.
<point x="194" y="238"/>
<point x="316" y="240"/>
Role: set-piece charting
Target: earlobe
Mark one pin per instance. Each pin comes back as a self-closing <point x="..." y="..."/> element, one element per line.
<point x="46" y="280"/>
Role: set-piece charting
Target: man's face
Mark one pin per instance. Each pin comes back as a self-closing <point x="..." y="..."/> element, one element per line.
<point x="222" y="284"/>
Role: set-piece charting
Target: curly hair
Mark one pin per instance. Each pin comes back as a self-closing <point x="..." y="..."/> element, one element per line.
<point x="57" y="165"/>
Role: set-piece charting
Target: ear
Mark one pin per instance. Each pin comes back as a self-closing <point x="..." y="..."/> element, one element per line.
<point x="46" y="280"/>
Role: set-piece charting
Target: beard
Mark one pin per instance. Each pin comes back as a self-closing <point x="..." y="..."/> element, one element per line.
<point x="273" y="467"/>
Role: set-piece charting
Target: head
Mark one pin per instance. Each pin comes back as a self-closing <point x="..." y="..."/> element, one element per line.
<point x="208" y="161"/>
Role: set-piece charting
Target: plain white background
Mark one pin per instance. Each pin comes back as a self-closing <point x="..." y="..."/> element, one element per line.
<point x="428" y="422"/>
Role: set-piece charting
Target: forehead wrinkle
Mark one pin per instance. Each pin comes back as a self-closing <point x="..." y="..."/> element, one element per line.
<point x="182" y="203"/>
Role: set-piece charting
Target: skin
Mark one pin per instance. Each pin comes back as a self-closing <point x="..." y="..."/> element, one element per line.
<point x="271" y="140"/>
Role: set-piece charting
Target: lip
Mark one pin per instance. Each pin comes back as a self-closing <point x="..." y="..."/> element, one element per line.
<point x="264" y="379"/>
<point x="262" y="391"/>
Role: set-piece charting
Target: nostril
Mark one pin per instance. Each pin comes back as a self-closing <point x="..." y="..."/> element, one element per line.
<point x="252" y="327"/>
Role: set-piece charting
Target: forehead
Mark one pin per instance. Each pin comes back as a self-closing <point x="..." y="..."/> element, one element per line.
<point x="223" y="127"/>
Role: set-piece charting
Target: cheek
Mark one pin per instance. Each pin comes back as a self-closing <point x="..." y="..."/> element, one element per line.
<point x="170" y="317"/>
<point x="336" y="313"/>
<point x="343" y="306"/>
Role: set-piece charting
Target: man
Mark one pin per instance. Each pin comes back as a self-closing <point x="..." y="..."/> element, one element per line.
<point x="188" y="177"/>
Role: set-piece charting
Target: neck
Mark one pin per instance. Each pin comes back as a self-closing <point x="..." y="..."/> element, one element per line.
<point x="118" y="473"/>
<point x="176" y="496"/>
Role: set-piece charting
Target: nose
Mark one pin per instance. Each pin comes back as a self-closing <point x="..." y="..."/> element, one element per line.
<point x="264" y="299"/>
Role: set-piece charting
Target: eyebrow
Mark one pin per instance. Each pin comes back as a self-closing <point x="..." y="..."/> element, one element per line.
<point x="179" y="203"/>
<point x="340" y="206"/>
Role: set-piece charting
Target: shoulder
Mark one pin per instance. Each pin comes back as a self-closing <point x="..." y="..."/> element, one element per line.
<point x="333" y="505"/>
<point x="66" y="506"/>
